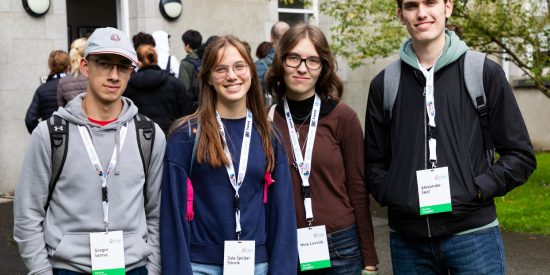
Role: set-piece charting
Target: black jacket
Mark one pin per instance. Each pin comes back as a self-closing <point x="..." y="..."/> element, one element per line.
<point x="43" y="104"/>
<point x="158" y="95"/>
<point x="395" y="150"/>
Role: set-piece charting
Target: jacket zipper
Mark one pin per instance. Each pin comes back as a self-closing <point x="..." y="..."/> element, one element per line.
<point x="426" y="154"/>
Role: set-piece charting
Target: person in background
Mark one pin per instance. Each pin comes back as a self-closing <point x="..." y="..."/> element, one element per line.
<point x="157" y="94"/>
<point x="142" y="38"/>
<point x="263" y="49"/>
<point x="324" y="141"/>
<point x="44" y="101"/>
<point x="74" y="83"/>
<point x="166" y="60"/>
<point x="192" y="40"/>
<point x="263" y="64"/>
<point x="226" y="177"/>
<point x="191" y="64"/>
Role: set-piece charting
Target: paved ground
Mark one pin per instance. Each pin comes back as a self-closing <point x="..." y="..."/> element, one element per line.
<point x="525" y="253"/>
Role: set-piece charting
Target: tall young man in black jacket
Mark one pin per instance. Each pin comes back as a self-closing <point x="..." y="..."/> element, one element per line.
<point x="427" y="162"/>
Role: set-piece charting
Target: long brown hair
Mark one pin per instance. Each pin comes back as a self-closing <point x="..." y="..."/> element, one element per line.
<point x="210" y="144"/>
<point x="328" y="85"/>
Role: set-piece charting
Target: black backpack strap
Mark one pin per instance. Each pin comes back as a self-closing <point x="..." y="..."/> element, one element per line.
<point x="59" y="142"/>
<point x="168" y="64"/>
<point x="145" y="134"/>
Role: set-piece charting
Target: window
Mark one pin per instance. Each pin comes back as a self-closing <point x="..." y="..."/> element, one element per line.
<point x="298" y="11"/>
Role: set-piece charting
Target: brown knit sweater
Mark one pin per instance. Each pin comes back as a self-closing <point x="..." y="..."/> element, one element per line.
<point x="337" y="182"/>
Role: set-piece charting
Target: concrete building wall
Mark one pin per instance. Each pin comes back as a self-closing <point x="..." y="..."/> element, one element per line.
<point x="535" y="108"/>
<point x="25" y="44"/>
<point x="249" y="20"/>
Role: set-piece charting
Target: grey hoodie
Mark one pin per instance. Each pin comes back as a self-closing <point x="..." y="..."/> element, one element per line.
<point x="59" y="237"/>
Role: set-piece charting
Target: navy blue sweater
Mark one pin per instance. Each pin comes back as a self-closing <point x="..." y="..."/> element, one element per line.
<point x="44" y="103"/>
<point x="271" y="225"/>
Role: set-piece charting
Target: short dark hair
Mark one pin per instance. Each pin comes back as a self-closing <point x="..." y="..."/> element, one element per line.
<point x="193" y="38"/>
<point x="263" y="49"/>
<point x="142" y="38"/>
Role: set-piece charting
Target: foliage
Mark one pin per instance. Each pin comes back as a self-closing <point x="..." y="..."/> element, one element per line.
<point x="527" y="208"/>
<point x="520" y="29"/>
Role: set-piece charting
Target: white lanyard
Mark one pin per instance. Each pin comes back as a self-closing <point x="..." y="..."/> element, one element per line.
<point x="97" y="165"/>
<point x="243" y="163"/>
<point x="430" y="109"/>
<point x="304" y="163"/>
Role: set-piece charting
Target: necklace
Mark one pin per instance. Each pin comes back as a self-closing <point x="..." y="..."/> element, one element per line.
<point x="301" y="125"/>
<point x="300" y="118"/>
<point x="294" y="164"/>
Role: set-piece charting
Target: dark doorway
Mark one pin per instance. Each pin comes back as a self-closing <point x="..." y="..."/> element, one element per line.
<point x="84" y="16"/>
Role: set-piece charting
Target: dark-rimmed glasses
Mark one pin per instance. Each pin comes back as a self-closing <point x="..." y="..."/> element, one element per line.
<point x="294" y="61"/>
<point x="106" y="67"/>
<point x="221" y="71"/>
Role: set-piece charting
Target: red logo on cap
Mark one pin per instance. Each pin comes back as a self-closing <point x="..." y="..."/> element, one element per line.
<point x="115" y="37"/>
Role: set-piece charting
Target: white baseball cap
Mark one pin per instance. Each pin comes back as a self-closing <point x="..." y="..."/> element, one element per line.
<point x="110" y="41"/>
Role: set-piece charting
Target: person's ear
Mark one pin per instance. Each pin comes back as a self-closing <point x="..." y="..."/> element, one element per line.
<point x="84" y="69"/>
<point x="400" y="16"/>
<point x="448" y="9"/>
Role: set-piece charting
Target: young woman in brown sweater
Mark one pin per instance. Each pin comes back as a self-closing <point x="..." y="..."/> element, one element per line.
<point x="324" y="142"/>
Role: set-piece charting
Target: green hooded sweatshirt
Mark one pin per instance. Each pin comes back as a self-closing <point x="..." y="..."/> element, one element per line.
<point x="453" y="50"/>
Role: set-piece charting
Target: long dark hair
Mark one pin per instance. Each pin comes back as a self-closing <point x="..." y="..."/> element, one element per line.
<point x="210" y="145"/>
<point x="328" y="85"/>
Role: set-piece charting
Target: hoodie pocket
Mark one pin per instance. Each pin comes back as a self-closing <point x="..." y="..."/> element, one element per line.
<point x="74" y="248"/>
<point x="136" y="249"/>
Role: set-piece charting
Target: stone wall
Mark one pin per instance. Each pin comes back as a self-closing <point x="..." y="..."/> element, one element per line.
<point x="25" y="44"/>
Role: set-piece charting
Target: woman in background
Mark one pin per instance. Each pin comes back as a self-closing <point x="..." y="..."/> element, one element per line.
<point x="157" y="94"/>
<point x="74" y="83"/>
<point x="226" y="177"/>
<point x="44" y="101"/>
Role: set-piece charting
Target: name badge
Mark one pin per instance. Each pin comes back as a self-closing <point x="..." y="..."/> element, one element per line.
<point x="238" y="257"/>
<point x="107" y="250"/>
<point x="313" y="248"/>
<point x="434" y="192"/>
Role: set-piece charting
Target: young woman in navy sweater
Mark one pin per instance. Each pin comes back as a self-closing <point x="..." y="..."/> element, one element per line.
<point x="226" y="176"/>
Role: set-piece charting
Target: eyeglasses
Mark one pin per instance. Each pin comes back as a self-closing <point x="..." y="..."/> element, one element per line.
<point x="106" y="67"/>
<point x="221" y="72"/>
<point x="294" y="61"/>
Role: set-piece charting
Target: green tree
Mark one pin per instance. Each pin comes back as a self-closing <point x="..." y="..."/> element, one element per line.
<point x="518" y="30"/>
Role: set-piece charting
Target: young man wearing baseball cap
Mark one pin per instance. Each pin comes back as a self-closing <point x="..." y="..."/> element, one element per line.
<point x="101" y="215"/>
